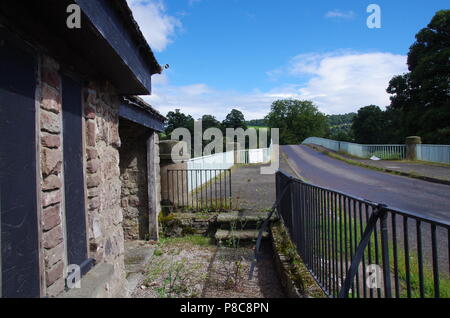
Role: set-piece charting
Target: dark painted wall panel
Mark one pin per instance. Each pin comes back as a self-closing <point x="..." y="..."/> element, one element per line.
<point x="73" y="172"/>
<point x="140" y="117"/>
<point x="18" y="197"/>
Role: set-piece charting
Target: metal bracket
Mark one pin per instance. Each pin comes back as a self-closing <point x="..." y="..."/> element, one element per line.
<point x="379" y="213"/>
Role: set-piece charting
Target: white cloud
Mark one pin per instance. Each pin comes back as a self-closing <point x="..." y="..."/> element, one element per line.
<point x="337" y="82"/>
<point x="342" y="83"/>
<point x="336" y="13"/>
<point x="157" y="26"/>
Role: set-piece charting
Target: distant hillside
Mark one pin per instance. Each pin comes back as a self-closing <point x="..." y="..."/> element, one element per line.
<point x="256" y="123"/>
<point x="341" y="120"/>
<point x="341" y="127"/>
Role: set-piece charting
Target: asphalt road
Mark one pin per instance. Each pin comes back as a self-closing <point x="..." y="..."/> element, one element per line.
<point x="422" y="197"/>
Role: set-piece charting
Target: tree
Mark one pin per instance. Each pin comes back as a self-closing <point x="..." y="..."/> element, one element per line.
<point x="209" y="121"/>
<point x="422" y="96"/>
<point x="297" y="120"/>
<point x="369" y="125"/>
<point x="179" y="120"/>
<point x="235" y="119"/>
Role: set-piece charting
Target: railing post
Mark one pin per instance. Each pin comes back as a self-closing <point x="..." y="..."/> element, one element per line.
<point x="382" y="209"/>
<point x="291" y="195"/>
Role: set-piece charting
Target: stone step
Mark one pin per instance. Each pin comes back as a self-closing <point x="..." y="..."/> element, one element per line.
<point x="240" y="235"/>
<point x="242" y="220"/>
<point x="137" y="256"/>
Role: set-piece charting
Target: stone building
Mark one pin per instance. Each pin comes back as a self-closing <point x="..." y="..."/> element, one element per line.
<point x="79" y="157"/>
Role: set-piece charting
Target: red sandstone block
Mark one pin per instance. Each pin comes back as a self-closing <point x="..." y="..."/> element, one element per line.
<point x="52" y="182"/>
<point x="93" y="165"/>
<point x="91" y="131"/>
<point x="91" y="153"/>
<point x="93" y="181"/>
<point x="89" y="112"/>
<point x="51" y="161"/>
<point x="51" y="217"/>
<point x="50" y="198"/>
<point x="54" y="273"/>
<point x="51" y="141"/>
<point x="54" y="255"/>
<point x="52" y="238"/>
<point x="50" y="122"/>
<point x="51" y="100"/>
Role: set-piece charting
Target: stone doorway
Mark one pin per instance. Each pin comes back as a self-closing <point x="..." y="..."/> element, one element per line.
<point x="134" y="178"/>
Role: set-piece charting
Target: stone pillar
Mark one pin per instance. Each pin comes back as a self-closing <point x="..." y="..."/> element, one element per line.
<point x="51" y="155"/>
<point x="153" y="173"/>
<point x="166" y="163"/>
<point x="411" y="147"/>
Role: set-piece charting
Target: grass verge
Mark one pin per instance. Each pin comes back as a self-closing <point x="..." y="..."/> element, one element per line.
<point x="342" y="229"/>
<point x="297" y="271"/>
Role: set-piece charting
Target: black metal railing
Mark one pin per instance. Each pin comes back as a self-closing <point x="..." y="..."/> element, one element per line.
<point x="360" y="249"/>
<point x="198" y="190"/>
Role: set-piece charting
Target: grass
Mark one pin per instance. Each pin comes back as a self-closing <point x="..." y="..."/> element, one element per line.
<point x="341" y="232"/>
<point x="298" y="273"/>
<point x="428" y="163"/>
<point x="391" y="156"/>
<point x="196" y="240"/>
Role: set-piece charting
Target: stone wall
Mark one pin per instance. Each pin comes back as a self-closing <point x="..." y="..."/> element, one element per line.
<point x="52" y="245"/>
<point x="104" y="213"/>
<point x="105" y="234"/>
<point x="133" y="173"/>
<point x="105" y="197"/>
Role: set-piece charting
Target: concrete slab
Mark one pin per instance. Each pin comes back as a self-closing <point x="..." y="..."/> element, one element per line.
<point x="137" y="255"/>
<point x="93" y="284"/>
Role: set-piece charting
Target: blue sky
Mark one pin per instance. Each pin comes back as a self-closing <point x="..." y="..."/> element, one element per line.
<point x="245" y="54"/>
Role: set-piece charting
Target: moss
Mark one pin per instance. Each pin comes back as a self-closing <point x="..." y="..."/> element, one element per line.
<point x="298" y="272"/>
<point x="188" y="230"/>
<point x="158" y="252"/>
<point x="189" y="239"/>
<point x="170" y="225"/>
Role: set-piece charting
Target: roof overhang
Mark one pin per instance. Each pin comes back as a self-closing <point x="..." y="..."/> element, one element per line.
<point x="109" y="44"/>
<point x="136" y="110"/>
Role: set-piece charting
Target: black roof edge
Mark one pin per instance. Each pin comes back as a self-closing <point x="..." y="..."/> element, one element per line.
<point x="123" y="8"/>
<point x="138" y="102"/>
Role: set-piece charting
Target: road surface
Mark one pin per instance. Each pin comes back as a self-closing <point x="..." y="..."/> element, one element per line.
<point x="422" y="197"/>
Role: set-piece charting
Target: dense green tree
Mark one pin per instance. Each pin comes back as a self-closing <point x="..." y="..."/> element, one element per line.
<point x="176" y="120"/>
<point x="297" y="120"/>
<point x="421" y="97"/>
<point x="370" y="126"/>
<point x="209" y="121"/>
<point x="235" y="119"/>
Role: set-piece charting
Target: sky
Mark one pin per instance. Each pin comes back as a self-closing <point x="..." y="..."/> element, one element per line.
<point x="245" y="54"/>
